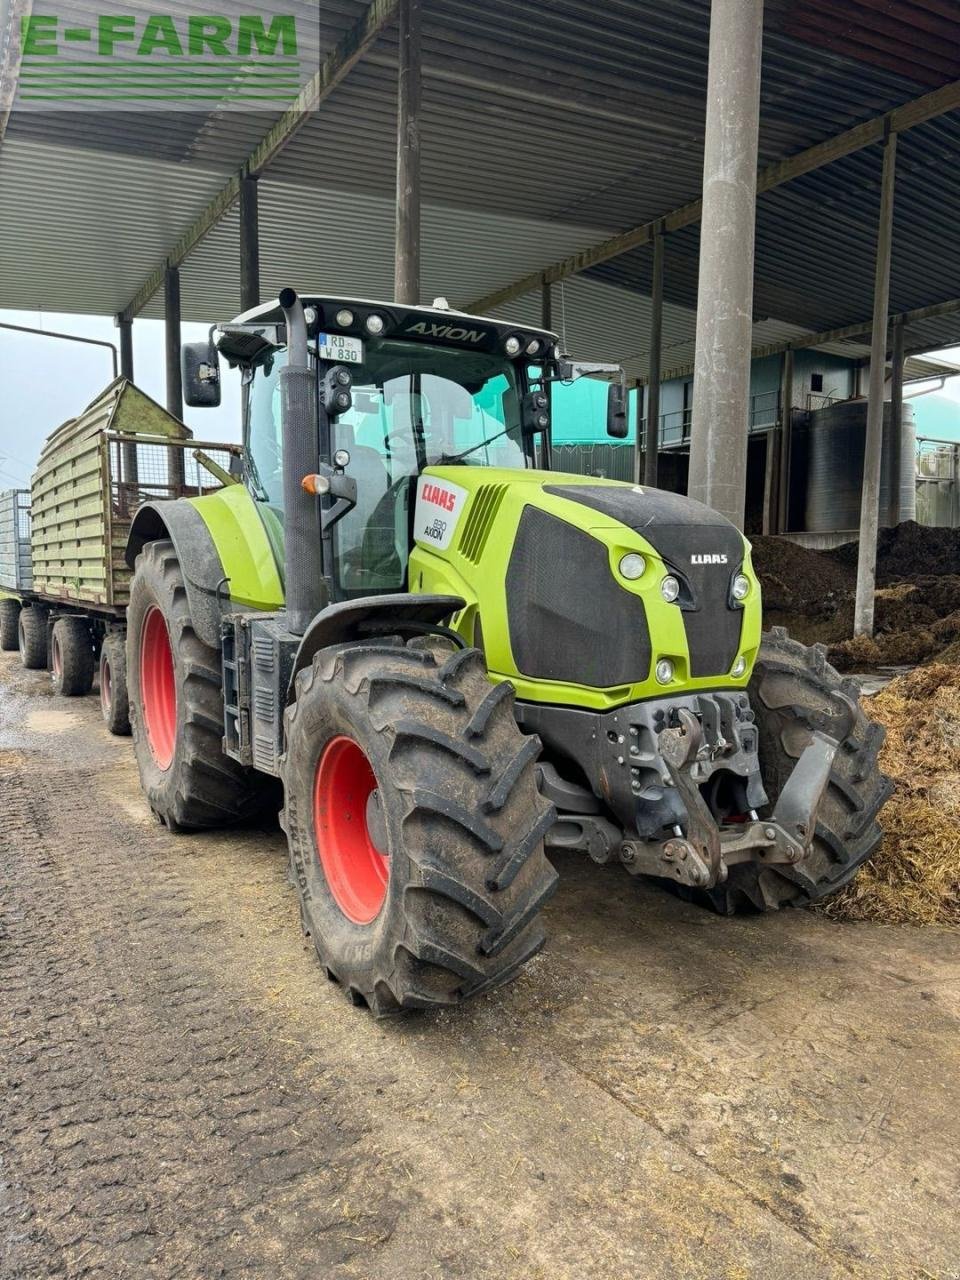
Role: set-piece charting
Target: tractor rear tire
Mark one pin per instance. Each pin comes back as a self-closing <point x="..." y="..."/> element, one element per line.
<point x="32" y="638"/>
<point x="792" y="692"/>
<point x="71" y="657"/>
<point x="176" y="705"/>
<point x="114" y="699"/>
<point x="414" y="823"/>
<point x="9" y="613"/>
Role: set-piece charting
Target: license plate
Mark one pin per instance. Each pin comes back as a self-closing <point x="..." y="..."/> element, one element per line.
<point x="339" y="348"/>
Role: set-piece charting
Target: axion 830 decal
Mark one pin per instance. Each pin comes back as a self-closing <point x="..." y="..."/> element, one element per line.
<point x="439" y="506"/>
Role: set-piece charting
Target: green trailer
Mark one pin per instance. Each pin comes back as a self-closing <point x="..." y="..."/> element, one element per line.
<point x="62" y="546"/>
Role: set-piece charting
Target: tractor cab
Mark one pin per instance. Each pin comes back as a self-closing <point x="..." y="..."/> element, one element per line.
<point x="399" y="389"/>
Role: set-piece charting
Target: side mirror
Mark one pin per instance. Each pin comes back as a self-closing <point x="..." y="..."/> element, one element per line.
<point x="200" y="366"/>
<point x="617" y="411"/>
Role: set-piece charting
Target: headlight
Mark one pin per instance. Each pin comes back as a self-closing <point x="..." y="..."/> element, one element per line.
<point x="670" y="588"/>
<point x="632" y="566"/>
<point x="345" y="318"/>
<point x="533" y="347"/>
<point x="664" y="671"/>
<point x="512" y="346"/>
<point x="741" y="587"/>
<point x="738" y="668"/>
<point x="374" y="325"/>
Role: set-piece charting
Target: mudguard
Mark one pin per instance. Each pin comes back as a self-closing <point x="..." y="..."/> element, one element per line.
<point x="343" y="622"/>
<point x="207" y="590"/>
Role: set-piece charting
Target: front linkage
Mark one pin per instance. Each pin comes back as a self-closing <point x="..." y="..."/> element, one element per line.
<point x="690" y="766"/>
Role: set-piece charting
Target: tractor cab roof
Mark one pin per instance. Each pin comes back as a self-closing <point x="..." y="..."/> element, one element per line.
<point x="385" y="321"/>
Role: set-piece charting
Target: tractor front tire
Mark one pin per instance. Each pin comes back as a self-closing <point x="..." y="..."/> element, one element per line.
<point x="114" y="698"/>
<point x="176" y="705"/>
<point x="414" y="823"/>
<point x="9" y="613"/>
<point x="71" y="659"/>
<point x="32" y="638"/>
<point x="792" y="691"/>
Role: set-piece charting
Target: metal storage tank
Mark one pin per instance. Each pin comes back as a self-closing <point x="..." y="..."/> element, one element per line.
<point x="835" y="468"/>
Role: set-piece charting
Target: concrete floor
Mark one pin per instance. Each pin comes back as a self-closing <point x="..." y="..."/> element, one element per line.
<point x="662" y="1094"/>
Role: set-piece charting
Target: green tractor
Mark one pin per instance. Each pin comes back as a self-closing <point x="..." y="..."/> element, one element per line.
<point x="453" y="659"/>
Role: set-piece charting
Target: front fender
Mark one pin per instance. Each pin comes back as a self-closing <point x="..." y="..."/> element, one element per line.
<point x="339" y="623"/>
<point x="200" y="564"/>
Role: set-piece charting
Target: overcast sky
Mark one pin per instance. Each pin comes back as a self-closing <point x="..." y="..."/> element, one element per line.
<point x="44" y="381"/>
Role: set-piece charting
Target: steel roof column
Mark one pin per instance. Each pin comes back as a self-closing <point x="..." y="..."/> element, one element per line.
<point x="721" y="385"/>
<point x="652" y="442"/>
<point x="171" y="311"/>
<point x="125" y="327"/>
<point x="896" y="427"/>
<point x="544" y="441"/>
<point x="786" y="441"/>
<point x="128" y="451"/>
<point x="407" y="256"/>
<point x="249" y="244"/>
<point x="171" y="332"/>
<point x="870" y="494"/>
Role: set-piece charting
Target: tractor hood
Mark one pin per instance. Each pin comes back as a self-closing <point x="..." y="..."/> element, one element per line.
<point x="569" y="577"/>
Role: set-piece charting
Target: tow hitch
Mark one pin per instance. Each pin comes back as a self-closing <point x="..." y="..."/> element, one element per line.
<point x="701" y="855"/>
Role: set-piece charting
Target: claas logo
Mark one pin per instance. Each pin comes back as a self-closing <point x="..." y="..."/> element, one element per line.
<point x="439" y="497"/>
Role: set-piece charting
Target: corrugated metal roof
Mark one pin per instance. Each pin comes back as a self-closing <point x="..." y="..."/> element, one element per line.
<point x="547" y="127"/>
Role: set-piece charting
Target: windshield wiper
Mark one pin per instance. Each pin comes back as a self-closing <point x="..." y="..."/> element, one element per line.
<point x="446" y="458"/>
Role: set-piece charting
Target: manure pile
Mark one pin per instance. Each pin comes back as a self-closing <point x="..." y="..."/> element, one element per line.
<point x="914" y="877"/>
<point x="917" y="610"/>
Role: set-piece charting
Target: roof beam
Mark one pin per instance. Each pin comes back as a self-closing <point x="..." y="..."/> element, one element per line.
<point x="577" y="94"/>
<point x="334" y="69"/>
<point x="900" y="119"/>
<point x="807" y="341"/>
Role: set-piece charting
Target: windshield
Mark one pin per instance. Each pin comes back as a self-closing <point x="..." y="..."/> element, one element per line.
<point x="413" y="406"/>
<point x="420" y="406"/>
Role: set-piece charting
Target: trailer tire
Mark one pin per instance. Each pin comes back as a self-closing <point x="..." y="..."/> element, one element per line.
<point x="793" y="689"/>
<point x="413" y="751"/>
<point x="176" y="706"/>
<point x="9" y="613"/>
<point x="32" y="638"/>
<point x="114" y="698"/>
<point x="71" y="657"/>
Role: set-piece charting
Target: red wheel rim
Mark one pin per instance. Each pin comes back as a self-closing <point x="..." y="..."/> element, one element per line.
<point x="158" y="688"/>
<point x="57" y="657"/>
<point x="355" y="869"/>
<point x="106" y="683"/>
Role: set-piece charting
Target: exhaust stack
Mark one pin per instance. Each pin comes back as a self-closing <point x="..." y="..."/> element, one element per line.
<point x="306" y="589"/>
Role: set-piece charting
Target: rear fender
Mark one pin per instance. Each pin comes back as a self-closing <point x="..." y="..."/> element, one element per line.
<point x="341" y="623"/>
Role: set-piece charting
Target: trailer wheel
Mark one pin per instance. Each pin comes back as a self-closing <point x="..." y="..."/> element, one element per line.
<point x="176" y="705"/>
<point x="114" y="702"/>
<point x="32" y="638"/>
<point x="71" y="657"/>
<point x="791" y="691"/>
<point x="9" y="613"/>
<point x="415" y="825"/>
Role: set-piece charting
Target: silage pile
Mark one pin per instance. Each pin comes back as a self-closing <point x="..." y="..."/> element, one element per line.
<point x="914" y="877"/>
